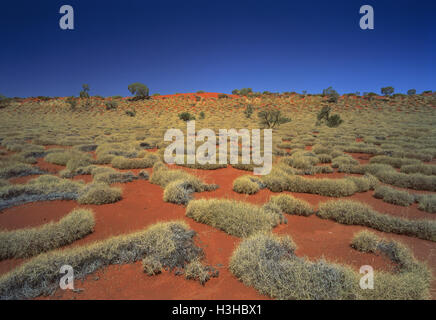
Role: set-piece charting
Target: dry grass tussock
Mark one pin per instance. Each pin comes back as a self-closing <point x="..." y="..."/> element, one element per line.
<point x="170" y="244"/>
<point x="27" y="242"/>
<point x="268" y="263"/>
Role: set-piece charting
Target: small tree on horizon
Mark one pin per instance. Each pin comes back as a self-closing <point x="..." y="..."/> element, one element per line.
<point x="139" y="90"/>
<point x="387" y="91"/>
<point x="411" y="92"/>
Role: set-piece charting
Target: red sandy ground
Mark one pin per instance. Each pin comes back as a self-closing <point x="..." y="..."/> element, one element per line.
<point x="142" y="205"/>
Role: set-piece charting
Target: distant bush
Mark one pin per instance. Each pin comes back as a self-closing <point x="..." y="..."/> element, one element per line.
<point x="332" y="95"/>
<point x="72" y="102"/>
<point x="387" y="91"/>
<point x="111" y="105"/>
<point x="248" y="111"/>
<point x="186" y="116"/>
<point x="243" y="92"/>
<point x="139" y="90"/>
<point x="131" y="113"/>
<point x="271" y="118"/>
<point x="202" y="115"/>
<point x="223" y="96"/>
<point x="324" y="116"/>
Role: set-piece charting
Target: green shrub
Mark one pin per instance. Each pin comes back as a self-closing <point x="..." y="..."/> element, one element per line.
<point x="186" y="116"/>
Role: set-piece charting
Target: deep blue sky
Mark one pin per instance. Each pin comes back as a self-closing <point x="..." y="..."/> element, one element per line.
<point x="185" y="46"/>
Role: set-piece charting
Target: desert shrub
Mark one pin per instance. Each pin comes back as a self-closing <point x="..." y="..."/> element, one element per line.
<point x="357" y="213"/>
<point x="291" y="205"/>
<point x="247" y="184"/>
<point x="271" y="118"/>
<point x="186" y="116"/>
<point x="394" y="196"/>
<point x="111" y="105"/>
<point x="99" y="193"/>
<point x="170" y="243"/>
<point x="248" y="111"/>
<point x="426" y="169"/>
<point x="131" y="113"/>
<point x="139" y="90"/>
<point x="27" y="242"/>
<point x="148" y="161"/>
<point x="233" y="217"/>
<point x="427" y="203"/>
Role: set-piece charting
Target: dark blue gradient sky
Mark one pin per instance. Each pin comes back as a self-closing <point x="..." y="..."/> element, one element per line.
<point x="185" y="46"/>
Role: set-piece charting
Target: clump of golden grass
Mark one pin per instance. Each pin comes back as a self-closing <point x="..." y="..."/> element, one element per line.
<point x="170" y="243"/>
<point x="233" y="217"/>
<point x="393" y="161"/>
<point x="42" y="188"/>
<point x="9" y="170"/>
<point x="247" y="184"/>
<point x="427" y="169"/>
<point x="412" y="279"/>
<point x="178" y="184"/>
<point x="76" y="158"/>
<point x="268" y="263"/>
<point x="394" y="196"/>
<point x="357" y="213"/>
<point x="27" y="242"/>
<point x="147" y="161"/>
<point x="109" y="175"/>
<point x="99" y="193"/>
<point x="195" y="270"/>
<point x="291" y="205"/>
<point x="427" y="203"/>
